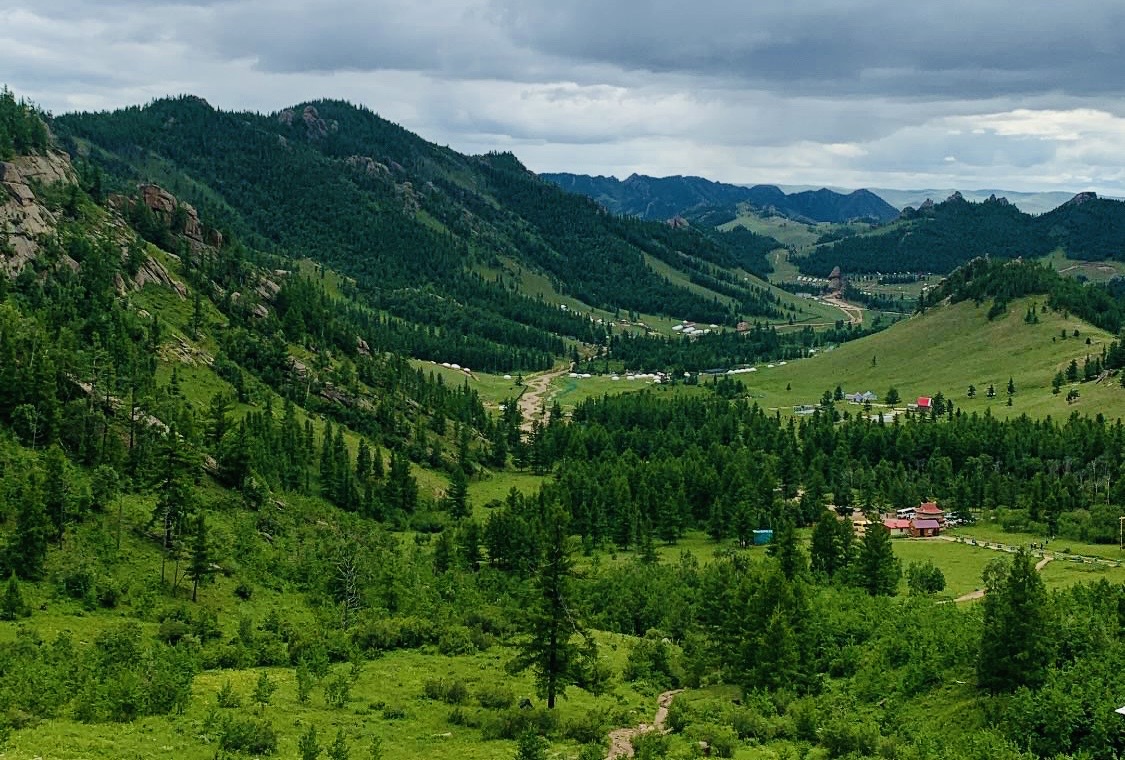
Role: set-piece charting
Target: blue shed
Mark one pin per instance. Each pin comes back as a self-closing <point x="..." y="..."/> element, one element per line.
<point x="762" y="537"/>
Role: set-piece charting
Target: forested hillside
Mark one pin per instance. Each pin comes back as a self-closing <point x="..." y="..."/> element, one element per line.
<point x="414" y="224"/>
<point x="661" y="198"/>
<point x="235" y="524"/>
<point x="940" y="237"/>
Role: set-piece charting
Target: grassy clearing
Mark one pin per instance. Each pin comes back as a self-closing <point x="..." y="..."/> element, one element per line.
<point x="1094" y="271"/>
<point x="496" y="485"/>
<point x="785" y="231"/>
<point x="570" y="392"/>
<point x="961" y="564"/>
<point x="387" y="702"/>
<point x="492" y="389"/>
<point x="915" y="356"/>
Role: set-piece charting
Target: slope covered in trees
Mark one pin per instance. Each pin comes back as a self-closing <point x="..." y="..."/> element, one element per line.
<point x="660" y="198"/>
<point x="226" y="529"/>
<point x="410" y="221"/>
<point x="940" y="237"/>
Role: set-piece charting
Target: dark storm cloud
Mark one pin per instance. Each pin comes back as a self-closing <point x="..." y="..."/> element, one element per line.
<point x="857" y="92"/>
<point x="960" y="48"/>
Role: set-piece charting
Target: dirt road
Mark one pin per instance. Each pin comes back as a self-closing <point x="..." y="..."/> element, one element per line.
<point x="853" y="312"/>
<point x="535" y="395"/>
<point x="621" y="739"/>
<point x="979" y="593"/>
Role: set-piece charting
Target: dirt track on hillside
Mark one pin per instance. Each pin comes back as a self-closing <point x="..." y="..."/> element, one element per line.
<point x="621" y="739"/>
<point x="535" y="395"/>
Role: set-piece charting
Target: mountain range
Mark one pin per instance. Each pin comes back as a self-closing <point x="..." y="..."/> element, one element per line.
<point x="439" y="243"/>
<point x="667" y="197"/>
<point x="938" y="237"/>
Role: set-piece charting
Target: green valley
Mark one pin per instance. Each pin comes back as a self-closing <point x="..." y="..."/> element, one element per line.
<point x="301" y="456"/>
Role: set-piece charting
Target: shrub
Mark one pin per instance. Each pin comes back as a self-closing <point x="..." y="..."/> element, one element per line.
<point x="171" y="631"/>
<point x="651" y="746"/>
<point x="393" y="712"/>
<point x="496" y="697"/>
<point x="227" y="696"/>
<point x="651" y="660"/>
<point x="451" y="692"/>
<point x="456" y="640"/>
<point x="588" y="728"/>
<point x="252" y="736"/>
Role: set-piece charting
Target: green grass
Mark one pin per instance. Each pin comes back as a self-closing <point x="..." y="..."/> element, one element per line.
<point x="395" y="680"/>
<point x="496" y="486"/>
<point x="570" y="392"/>
<point x="947" y="349"/>
<point x="785" y="231"/>
<point x="1094" y="271"/>
<point x="961" y="564"/>
<point x="492" y="389"/>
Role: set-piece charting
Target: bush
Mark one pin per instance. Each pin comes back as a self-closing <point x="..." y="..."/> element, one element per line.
<point x="243" y="590"/>
<point x="496" y="697"/>
<point x="393" y="712"/>
<point x="651" y="746"/>
<point x="77" y="581"/>
<point x="511" y="723"/>
<point x="450" y="692"/>
<point x="252" y="736"/>
<point x="227" y="696"/>
<point x="721" y="739"/>
<point x="456" y="640"/>
<point x="588" y="728"/>
<point x="108" y="593"/>
<point x="171" y="631"/>
<point x="651" y="660"/>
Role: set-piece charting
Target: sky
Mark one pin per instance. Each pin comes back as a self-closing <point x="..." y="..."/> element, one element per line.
<point x="964" y="94"/>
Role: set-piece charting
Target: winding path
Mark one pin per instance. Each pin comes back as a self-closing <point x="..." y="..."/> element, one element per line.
<point x="621" y="739"/>
<point x="535" y="391"/>
<point x="853" y="312"/>
<point x="979" y="593"/>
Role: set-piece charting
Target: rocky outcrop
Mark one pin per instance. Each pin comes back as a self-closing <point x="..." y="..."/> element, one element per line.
<point x="23" y="220"/>
<point x="164" y="204"/>
<point x="1081" y="198"/>
<point x="316" y="128"/>
<point x="368" y="165"/>
<point x="152" y="271"/>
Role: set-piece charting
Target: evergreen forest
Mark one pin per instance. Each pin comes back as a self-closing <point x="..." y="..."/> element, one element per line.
<point x="245" y="512"/>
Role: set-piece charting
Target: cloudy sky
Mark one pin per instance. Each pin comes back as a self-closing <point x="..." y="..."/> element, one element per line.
<point x="852" y="93"/>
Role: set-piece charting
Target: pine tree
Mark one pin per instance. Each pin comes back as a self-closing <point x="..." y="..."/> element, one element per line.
<point x="199" y="566"/>
<point x="547" y="645"/>
<point x="338" y="750"/>
<point x="788" y="552"/>
<point x="878" y="569"/>
<point x="27" y="549"/>
<point x="12" y="606"/>
<point x="56" y="491"/>
<point x="1017" y="647"/>
<point x="308" y="745"/>
<point x="458" y="495"/>
<point x="263" y="690"/>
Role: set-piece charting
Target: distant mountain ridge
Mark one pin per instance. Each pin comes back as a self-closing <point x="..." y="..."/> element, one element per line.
<point x="939" y="237"/>
<point x="1029" y="203"/>
<point x="665" y="197"/>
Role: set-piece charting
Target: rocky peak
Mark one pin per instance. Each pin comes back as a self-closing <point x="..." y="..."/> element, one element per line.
<point x="928" y="204"/>
<point x="1081" y="198"/>
<point x="956" y="197"/>
<point x="1001" y="200"/>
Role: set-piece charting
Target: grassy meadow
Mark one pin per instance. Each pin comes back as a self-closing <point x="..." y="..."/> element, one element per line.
<point x="947" y="349"/>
